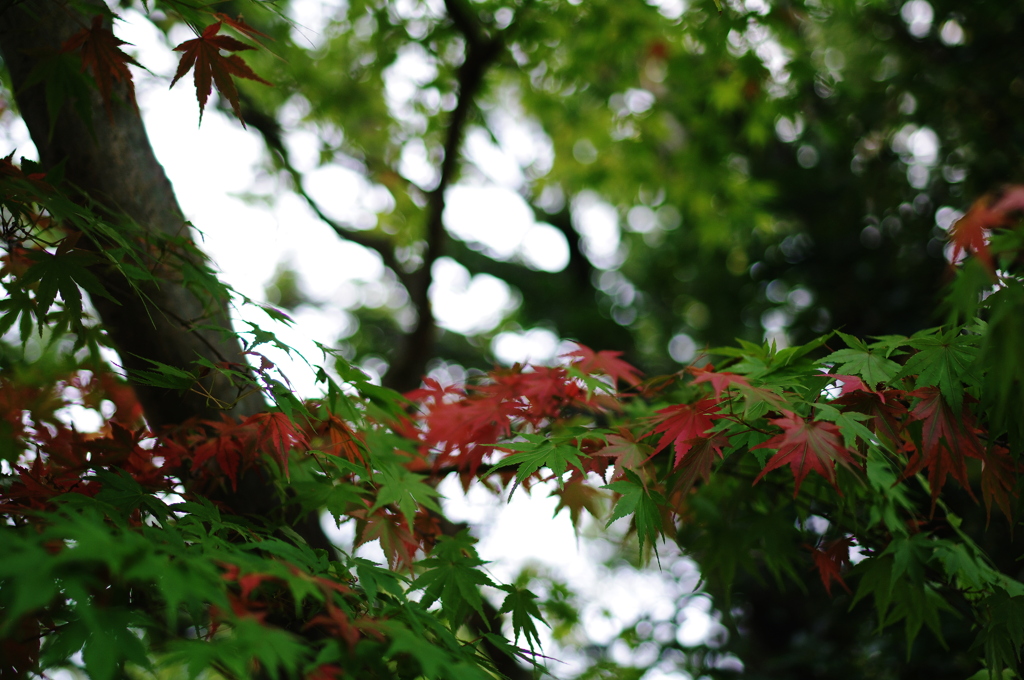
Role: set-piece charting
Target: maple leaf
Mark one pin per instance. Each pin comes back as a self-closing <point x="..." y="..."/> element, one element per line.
<point x="211" y="68"/>
<point x="870" y="363"/>
<point x="392" y="531"/>
<point x="697" y="462"/>
<point x="805" y="446"/>
<point x="885" y="409"/>
<point x="406" y="490"/>
<point x="228" y="453"/>
<point x="643" y="503"/>
<point x="849" y="383"/>
<point x="536" y="452"/>
<point x="101" y="53"/>
<point x="970" y="233"/>
<point x="831" y="560"/>
<point x="719" y="381"/>
<point x="946" y="438"/>
<point x="522" y="604"/>
<point x="998" y="481"/>
<point x="577" y="496"/>
<point x="326" y="672"/>
<point x="338" y="622"/>
<point x="452" y="575"/>
<point x="63" y="272"/>
<point x="604" y="362"/>
<point x="343" y="440"/>
<point x="683" y="423"/>
<point x="239" y="25"/>
<point x="626" y="451"/>
<point x="276" y="435"/>
<point x="945" y="360"/>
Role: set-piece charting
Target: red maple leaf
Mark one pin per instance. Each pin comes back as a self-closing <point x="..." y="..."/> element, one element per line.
<point x="719" y="381"/>
<point x="682" y="423"/>
<point x="343" y="440"/>
<point x="433" y="392"/>
<point x="392" y="531"/>
<point x="239" y="25"/>
<point x="226" y="450"/>
<point x="101" y="53"/>
<point x="539" y="394"/>
<point x="970" y="233"/>
<point x="326" y="672"/>
<point x="946" y="439"/>
<point x="211" y="68"/>
<point x="886" y="409"/>
<point x="998" y="481"/>
<point x="830" y="560"/>
<point x="850" y="383"/>
<point x="337" y="622"/>
<point x="465" y="431"/>
<point x="604" y="362"/>
<point x="805" y="446"/>
<point x="276" y="435"/>
<point x="697" y="462"/>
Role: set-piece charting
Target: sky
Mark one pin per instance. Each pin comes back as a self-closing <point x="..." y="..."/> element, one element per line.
<point x="214" y="165"/>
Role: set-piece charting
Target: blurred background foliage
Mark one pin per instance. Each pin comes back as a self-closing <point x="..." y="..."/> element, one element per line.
<point x="780" y="168"/>
<point x="774" y="170"/>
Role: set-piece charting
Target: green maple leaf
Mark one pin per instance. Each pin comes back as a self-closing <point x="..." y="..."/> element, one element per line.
<point x="63" y="272"/>
<point x="453" y="577"/>
<point x="642" y="503"/>
<point x="946" y="361"/>
<point x="406" y="490"/>
<point x="868" y="362"/>
<point x="539" y="451"/>
<point x="522" y="604"/>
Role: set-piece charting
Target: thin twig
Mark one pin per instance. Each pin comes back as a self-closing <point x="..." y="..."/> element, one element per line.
<point x="270" y="130"/>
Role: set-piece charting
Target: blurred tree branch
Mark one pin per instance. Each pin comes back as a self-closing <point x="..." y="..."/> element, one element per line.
<point x="481" y="53"/>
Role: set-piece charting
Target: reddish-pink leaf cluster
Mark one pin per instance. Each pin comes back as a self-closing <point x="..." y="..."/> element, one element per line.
<point x="211" y="68"/>
<point x="101" y="53"/>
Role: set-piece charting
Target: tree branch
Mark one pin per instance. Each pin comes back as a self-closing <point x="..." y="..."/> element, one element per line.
<point x="481" y="52"/>
<point x="270" y="130"/>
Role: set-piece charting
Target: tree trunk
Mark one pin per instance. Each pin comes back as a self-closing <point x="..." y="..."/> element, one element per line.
<point x="111" y="161"/>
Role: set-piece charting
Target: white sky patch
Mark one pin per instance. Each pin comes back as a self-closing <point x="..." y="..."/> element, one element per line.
<point x="535" y="346"/>
<point x="303" y="148"/>
<point x="412" y="70"/>
<point x="14" y="137"/>
<point x="338" y="191"/>
<point x="521" y="137"/>
<point x="545" y="248"/>
<point x="415" y="165"/>
<point x="309" y="16"/>
<point x="501" y="221"/>
<point x="670" y="9"/>
<point x="919" y="149"/>
<point x="496" y="217"/>
<point x="918" y="14"/>
<point x="149" y="48"/>
<point x="324" y="261"/>
<point x="598" y="224"/>
<point x="467" y="304"/>
<point x="500" y="167"/>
